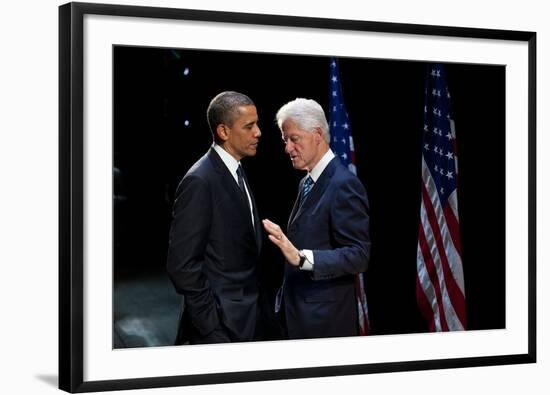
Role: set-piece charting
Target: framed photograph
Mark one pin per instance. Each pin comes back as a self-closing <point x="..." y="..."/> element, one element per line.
<point x="439" y="292"/>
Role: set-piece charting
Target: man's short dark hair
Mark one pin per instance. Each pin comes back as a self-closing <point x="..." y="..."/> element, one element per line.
<point x="224" y="108"/>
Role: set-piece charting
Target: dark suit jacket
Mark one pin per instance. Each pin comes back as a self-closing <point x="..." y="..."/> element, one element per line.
<point x="212" y="255"/>
<point x="333" y="222"/>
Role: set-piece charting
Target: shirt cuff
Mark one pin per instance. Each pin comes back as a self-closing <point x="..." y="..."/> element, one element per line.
<point x="308" y="263"/>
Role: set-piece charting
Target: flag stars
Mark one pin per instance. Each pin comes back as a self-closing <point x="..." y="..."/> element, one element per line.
<point x="343" y="141"/>
<point x="333" y="64"/>
<point x="437" y="131"/>
<point x="425" y="127"/>
<point x="436" y="92"/>
<point x="427" y="147"/>
<point x="345" y="126"/>
<point x="442" y="190"/>
<point x="436" y="73"/>
<point x="344" y="156"/>
<point x="449" y="136"/>
<point x="437" y="111"/>
<point x="449" y="155"/>
<point x="449" y="174"/>
<point x="334" y="79"/>
<point x="334" y="94"/>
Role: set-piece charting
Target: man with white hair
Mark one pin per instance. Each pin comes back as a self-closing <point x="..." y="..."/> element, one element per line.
<point x="327" y="241"/>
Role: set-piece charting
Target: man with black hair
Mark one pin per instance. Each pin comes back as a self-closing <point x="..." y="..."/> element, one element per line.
<point x="215" y="236"/>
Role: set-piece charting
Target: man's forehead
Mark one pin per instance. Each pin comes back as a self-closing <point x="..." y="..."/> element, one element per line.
<point x="289" y="126"/>
<point x="289" y="130"/>
<point x="250" y="108"/>
<point x="247" y="112"/>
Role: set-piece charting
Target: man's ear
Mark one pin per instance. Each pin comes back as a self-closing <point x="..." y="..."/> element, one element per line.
<point x="222" y="132"/>
<point x="318" y="135"/>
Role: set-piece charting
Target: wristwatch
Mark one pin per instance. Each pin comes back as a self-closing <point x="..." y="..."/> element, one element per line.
<point x="302" y="259"/>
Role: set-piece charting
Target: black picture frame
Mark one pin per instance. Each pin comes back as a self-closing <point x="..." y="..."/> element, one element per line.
<point x="72" y="195"/>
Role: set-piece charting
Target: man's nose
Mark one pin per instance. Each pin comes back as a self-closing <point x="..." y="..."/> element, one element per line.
<point x="288" y="146"/>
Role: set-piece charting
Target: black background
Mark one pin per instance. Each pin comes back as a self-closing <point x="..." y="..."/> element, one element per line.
<point x="153" y="149"/>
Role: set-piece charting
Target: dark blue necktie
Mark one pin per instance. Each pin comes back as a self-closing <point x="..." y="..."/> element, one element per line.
<point x="306" y="188"/>
<point x="240" y="180"/>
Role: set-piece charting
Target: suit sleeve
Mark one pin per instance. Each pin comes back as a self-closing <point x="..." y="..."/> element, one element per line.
<point x="349" y="230"/>
<point x="192" y="217"/>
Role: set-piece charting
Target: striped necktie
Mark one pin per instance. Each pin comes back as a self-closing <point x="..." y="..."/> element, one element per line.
<point x="306" y="188"/>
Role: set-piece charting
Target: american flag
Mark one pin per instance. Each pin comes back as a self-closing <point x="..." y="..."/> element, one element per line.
<point x="440" y="279"/>
<point x="341" y="144"/>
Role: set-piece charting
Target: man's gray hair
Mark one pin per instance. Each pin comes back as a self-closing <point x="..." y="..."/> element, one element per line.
<point x="224" y="108"/>
<point x="307" y="114"/>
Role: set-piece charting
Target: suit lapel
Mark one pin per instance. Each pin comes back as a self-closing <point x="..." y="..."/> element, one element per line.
<point x="226" y="178"/>
<point x="231" y="187"/>
<point x="316" y="192"/>
<point x="257" y="224"/>
<point x="296" y="202"/>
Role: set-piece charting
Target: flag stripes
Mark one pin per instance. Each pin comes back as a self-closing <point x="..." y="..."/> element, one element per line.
<point x="440" y="280"/>
<point x="341" y="143"/>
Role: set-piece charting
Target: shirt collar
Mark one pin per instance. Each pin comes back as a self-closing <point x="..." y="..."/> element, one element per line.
<point x="317" y="170"/>
<point x="231" y="163"/>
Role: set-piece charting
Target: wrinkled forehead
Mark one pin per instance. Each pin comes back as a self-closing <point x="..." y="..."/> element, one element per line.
<point x="290" y="126"/>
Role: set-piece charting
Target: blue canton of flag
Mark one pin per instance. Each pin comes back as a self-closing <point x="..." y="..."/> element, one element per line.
<point x="439" y="136"/>
<point x="341" y="144"/>
<point x="341" y="141"/>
